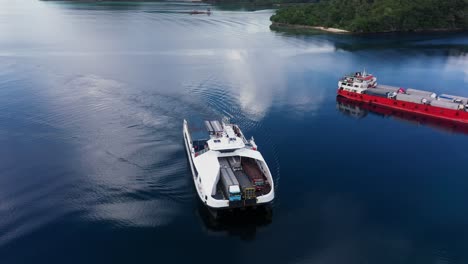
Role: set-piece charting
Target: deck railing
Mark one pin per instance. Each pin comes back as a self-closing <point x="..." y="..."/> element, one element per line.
<point x="201" y="151"/>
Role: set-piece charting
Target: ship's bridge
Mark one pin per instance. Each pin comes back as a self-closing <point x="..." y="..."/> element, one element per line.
<point x="224" y="136"/>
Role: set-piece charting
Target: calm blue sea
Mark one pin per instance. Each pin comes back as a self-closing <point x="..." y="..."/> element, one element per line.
<point x="92" y="161"/>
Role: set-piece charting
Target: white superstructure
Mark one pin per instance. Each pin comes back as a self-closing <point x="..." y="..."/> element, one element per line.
<point x="357" y="82"/>
<point x="228" y="170"/>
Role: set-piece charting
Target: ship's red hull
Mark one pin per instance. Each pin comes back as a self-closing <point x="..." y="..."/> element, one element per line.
<point x="415" y="119"/>
<point x="459" y="116"/>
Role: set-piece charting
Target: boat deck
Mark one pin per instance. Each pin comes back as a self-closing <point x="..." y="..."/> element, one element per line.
<point x="245" y="176"/>
<point x="219" y="195"/>
<point x="250" y="167"/>
<point x="199" y="144"/>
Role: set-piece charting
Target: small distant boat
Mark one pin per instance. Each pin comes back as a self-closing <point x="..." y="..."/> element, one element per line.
<point x="363" y="87"/>
<point x="198" y="12"/>
<point x="228" y="170"/>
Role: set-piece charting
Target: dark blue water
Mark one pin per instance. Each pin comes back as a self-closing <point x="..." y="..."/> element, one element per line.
<point x="93" y="168"/>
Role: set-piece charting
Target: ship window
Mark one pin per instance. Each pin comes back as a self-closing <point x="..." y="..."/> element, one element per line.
<point x="226" y="150"/>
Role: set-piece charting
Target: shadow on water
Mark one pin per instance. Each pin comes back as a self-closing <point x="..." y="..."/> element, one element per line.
<point x="237" y="223"/>
<point x="246" y="6"/>
<point x="403" y="42"/>
<point x="96" y="5"/>
<point x="360" y="110"/>
<point x="428" y="43"/>
<point x="146" y="6"/>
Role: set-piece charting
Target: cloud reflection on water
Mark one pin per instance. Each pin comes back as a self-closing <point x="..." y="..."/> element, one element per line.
<point x="458" y="63"/>
<point x="260" y="85"/>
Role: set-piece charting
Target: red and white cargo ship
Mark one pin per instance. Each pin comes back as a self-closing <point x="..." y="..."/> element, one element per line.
<point x="363" y="87"/>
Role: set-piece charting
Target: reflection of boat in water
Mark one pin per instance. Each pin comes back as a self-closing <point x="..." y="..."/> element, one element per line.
<point x="239" y="223"/>
<point x="228" y="170"/>
<point x="352" y="109"/>
<point x="360" y="110"/>
<point x="363" y="87"/>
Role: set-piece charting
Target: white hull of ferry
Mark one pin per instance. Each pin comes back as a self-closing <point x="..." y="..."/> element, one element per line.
<point x="205" y="170"/>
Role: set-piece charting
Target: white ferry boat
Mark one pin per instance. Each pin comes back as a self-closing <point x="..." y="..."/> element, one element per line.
<point x="228" y="170"/>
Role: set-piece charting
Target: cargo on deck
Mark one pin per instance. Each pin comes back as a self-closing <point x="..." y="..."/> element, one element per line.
<point x="411" y="91"/>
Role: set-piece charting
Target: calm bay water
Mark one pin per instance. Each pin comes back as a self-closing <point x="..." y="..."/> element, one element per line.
<point x="93" y="168"/>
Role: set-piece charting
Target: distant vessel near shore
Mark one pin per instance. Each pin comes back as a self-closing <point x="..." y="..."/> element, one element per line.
<point x="228" y="170"/>
<point x="363" y="87"/>
<point x="199" y="12"/>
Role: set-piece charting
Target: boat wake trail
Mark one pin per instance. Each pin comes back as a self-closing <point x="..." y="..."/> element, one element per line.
<point x="218" y="98"/>
<point x="114" y="155"/>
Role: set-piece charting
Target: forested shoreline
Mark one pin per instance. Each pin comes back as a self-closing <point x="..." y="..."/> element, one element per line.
<point x="378" y="15"/>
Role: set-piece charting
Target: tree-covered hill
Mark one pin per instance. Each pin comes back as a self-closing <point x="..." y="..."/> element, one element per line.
<point x="378" y="15"/>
